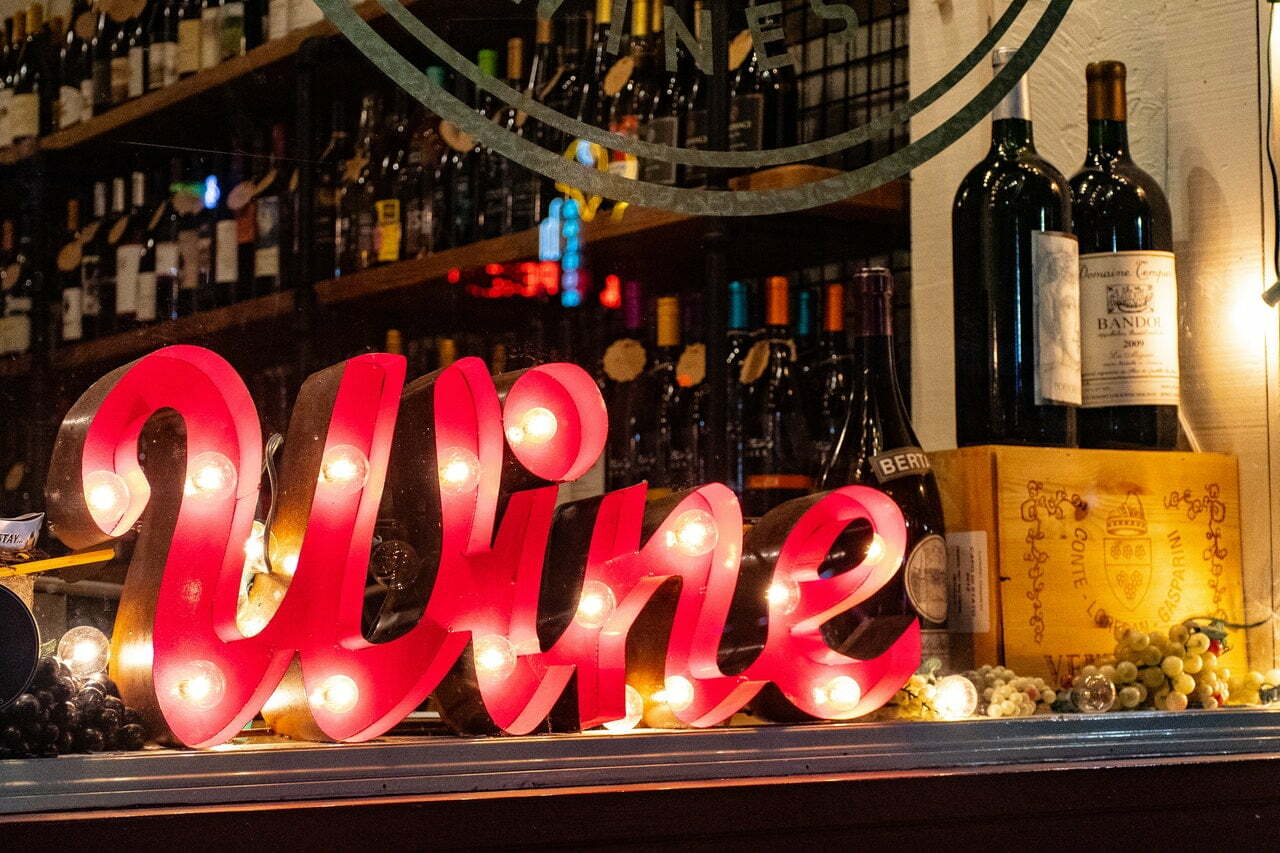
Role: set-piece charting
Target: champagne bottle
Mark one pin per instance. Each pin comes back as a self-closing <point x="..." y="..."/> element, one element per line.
<point x="877" y="447"/>
<point x="776" y="451"/>
<point x="1128" y="284"/>
<point x="129" y="252"/>
<point x="624" y="362"/>
<point x="93" y="239"/>
<point x="829" y="378"/>
<point x="69" y="282"/>
<point x="1016" y="273"/>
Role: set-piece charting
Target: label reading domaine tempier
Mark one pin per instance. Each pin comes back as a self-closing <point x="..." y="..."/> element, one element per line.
<point x="899" y="462"/>
<point x="1055" y="265"/>
<point x="1129" y="323"/>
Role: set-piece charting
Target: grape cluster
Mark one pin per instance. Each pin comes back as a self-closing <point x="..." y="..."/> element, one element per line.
<point x="1257" y="688"/>
<point x="61" y="715"/>
<point x="914" y="700"/>
<point x="1168" y="672"/>
<point x="1004" y="693"/>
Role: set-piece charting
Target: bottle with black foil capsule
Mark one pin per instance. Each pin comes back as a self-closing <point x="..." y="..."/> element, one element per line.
<point x="75" y="67"/>
<point x="324" y="208"/>
<point x="877" y="447"/>
<point x="776" y="450"/>
<point x="497" y="173"/>
<point x="129" y="251"/>
<point x="740" y="341"/>
<point x="356" y="193"/>
<point x="166" y="234"/>
<point x="270" y="228"/>
<point x="226" y="246"/>
<point x="1128" y="284"/>
<point x="658" y="460"/>
<point x="93" y="240"/>
<point x="388" y="209"/>
<point x="624" y="362"/>
<point x="1017" y="294"/>
<point x="829" y="378"/>
<point x="69" y="282"/>
<point x="663" y="124"/>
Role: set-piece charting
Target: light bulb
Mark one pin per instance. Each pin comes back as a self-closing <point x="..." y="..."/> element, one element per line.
<point x="210" y="475"/>
<point x="676" y="692"/>
<point x="596" y="604"/>
<point x="199" y="684"/>
<point x="955" y="698"/>
<point x="84" y="651"/>
<point x="1094" y="694"/>
<point x="255" y="547"/>
<point x="783" y="595"/>
<point x="495" y="657"/>
<point x="344" y="469"/>
<point x="459" y="471"/>
<point x="289" y="565"/>
<point x="535" y="426"/>
<point x="107" y="495"/>
<point x="693" y="533"/>
<point x="635" y="713"/>
<point x="337" y="694"/>
<point x="875" y="551"/>
<point x="838" y="697"/>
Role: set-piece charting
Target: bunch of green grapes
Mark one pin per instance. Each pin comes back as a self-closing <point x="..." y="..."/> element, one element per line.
<point x="1168" y="672"/>
<point x="915" y="699"/>
<point x="1004" y="693"/>
<point x="1256" y="688"/>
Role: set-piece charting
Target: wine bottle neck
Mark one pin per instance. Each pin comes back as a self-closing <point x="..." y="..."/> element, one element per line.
<point x="1012" y="135"/>
<point x="1108" y="138"/>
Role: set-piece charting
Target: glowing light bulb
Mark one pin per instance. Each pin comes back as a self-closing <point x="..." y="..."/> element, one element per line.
<point x="783" y="595"/>
<point x="459" y="471"/>
<point x="955" y="698"/>
<point x="635" y="713"/>
<point x="210" y="475"/>
<point x="344" y="469"/>
<point x="875" y="551"/>
<point x="250" y="624"/>
<point x="676" y="692"/>
<point x="536" y="426"/>
<point x="839" y="697"/>
<point x="693" y="533"/>
<point x="495" y="657"/>
<point x="289" y="565"/>
<point x="199" y="684"/>
<point x="596" y="604"/>
<point x="337" y="694"/>
<point x="107" y="496"/>
<point x="84" y="651"/>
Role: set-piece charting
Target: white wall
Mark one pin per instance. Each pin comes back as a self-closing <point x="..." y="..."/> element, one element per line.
<point x="1195" y="125"/>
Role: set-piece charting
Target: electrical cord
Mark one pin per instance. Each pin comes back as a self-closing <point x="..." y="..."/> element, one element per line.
<point x="269" y="467"/>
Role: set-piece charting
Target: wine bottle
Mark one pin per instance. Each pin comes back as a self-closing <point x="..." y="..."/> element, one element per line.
<point x="115" y="226"/>
<point x="624" y="362"/>
<point x="663" y="124"/>
<point x="271" y="230"/>
<point x="806" y="328"/>
<point x="28" y="79"/>
<point x="93" y="239"/>
<point x="1128" y="283"/>
<point x="695" y="107"/>
<point x="776" y="450"/>
<point x="75" y="62"/>
<point x="688" y="458"/>
<point x="356" y="193"/>
<point x="829" y="378"/>
<point x="388" y="212"/>
<point x="119" y="63"/>
<point x="69" y="283"/>
<point x="8" y="56"/>
<point x="210" y="33"/>
<point x="139" y="48"/>
<point x="740" y="342"/>
<point x="423" y="192"/>
<point x="129" y="252"/>
<point x="226" y="248"/>
<point x="162" y="54"/>
<point x="877" y="447"/>
<point x="497" y="173"/>
<point x="157" y="205"/>
<point x="190" y="36"/>
<point x="656" y="459"/>
<point x="631" y="78"/>
<point x="22" y="281"/>
<point x="1016" y="273"/>
<point x="167" y="255"/>
<point x="324" y="209"/>
<point x="241" y="191"/>
<point x="590" y="104"/>
<point x="208" y="190"/>
<point x="465" y="187"/>
<point x="231" y="36"/>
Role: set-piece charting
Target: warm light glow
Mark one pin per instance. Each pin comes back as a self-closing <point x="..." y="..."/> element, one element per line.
<point x="210" y="475"/>
<point x="676" y="692"/>
<point x="459" y="471"/>
<point x="337" y="694"/>
<point x="107" y="496"/>
<point x="250" y="624"/>
<point x="635" y="713"/>
<point x="495" y="657"/>
<point x="200" y="684"/>
<point x="536" y="426"/>
<point x="783" y="595"/>
<point x="838" y="697"/>
<point x="596" y="604"/>
<point x="956" y="698"/>
<point x="693" y="533"/>
<point x="289" y="565"/>
<point x="84" y="651"/>
<point x="875" y="551"/>
<point x="344" y="469"/>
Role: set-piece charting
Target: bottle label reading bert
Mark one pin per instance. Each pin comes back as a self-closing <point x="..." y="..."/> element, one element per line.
<point x="1129" y="322"/>
<point x="1055" y="266"/>
<point x="925" y="575"/>
<point x="898" y="463"/>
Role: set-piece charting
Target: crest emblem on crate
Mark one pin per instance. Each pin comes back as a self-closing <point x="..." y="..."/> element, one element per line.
<point x="1127" y="551"/>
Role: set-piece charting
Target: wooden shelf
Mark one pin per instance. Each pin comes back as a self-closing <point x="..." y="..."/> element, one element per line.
<point x="15" y="365"/>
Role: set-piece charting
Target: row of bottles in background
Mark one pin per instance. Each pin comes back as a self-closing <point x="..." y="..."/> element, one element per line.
<point x="55" y="74"/>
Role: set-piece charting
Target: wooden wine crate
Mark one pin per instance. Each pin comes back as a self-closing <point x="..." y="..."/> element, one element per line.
<point x="1052" y="551"/>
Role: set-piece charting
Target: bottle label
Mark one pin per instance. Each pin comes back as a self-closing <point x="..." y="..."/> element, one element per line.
<point x="417" y="227"/>
<point x="746" y="123"/>
<point x="119" y="79"/>
<point x="189" y="260"/>
<point x="18" y="337"/>
<point x="167" y="259"/>
<point x="696" y="137"/>
<point x="387" y="233"/>
<point x="660" y="131"/>
<point x="1055" y="275"/>
<point x="86" y="98"/>
<point x="624" y="360"/>
<point x="146" y="297"/>
<point x="6" y="98"/>
<point x="691" y="367"/>
<point x="365" y="231"/>
<point x="898" y="463"/>
<point x="210" y="38"/>
<point x="304" y="13"/>
<point x="128" y="259"/>
<point x="266" y="258"/>
<point x="189" y="38"/>
<point x="231" y="30"/>
<point x="1129" y="322"/>
<point x="278" y="19"/>
<point x="70" y="106"/>
<point x="89" y="282"/>
<point x="226" y="269"/>
<point x="137" y="71"/>
<point x="72" y="313"/>
<point x="925" y="575"/>
<point x="760" y="482"/>
<point x="24" y="116"/>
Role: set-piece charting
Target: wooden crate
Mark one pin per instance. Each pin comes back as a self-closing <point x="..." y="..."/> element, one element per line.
<point x="1054" y="550"/>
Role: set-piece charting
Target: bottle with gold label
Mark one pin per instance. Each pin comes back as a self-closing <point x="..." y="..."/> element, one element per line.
<point x="623" y="364"/>
<point x="776" y="450"/>
<point x="657" y="422"/>
<point x="446" y="352"/>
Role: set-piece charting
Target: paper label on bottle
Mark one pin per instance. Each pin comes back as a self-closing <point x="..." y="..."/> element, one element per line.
<point x="1129" y="325"/>
<point x="925" y="576"/>
<point x="691" y="367"/>
<point x="624" y="360"/>
<point x="967" y="562"/>
<point x="89" y="281"/>
<point x="387" y="232"/>
<point x="137" y="71"/>
<point x="1055" y="275"/>
<point x="210" y="37"/>
<point x="70" y="106"/>
<point x="278" y="19"/>
<point x="72" y="313"/>
<point x="188" y="259"/>
<point x="117" y="230"/>
<point x="618" y="75"/>
<point x="86" y="25"/>
<point x="189" y="35"/>
<point x="86" y="98"/>
<point x="69" y="256"/>
<point x="225" y="267"/>
<point x="455" y="137"/>
<point x="169" y="52"/>
<point x="119" y="79"/>
<point x="18" y="334"/>
<point x="740" y="48"/>
<point x="23" y="117"/>
<point x="746" y="123"/>
<point x="167" y="259"/>
<point x="231" y="30"/>
<point x="128" y="258"/>
<point x="660" y="131"/>
<point x="754" y="363"/>
<point x="898" y="463"/>
<point x="304" y="13"/>
<point x="146" y="297"/>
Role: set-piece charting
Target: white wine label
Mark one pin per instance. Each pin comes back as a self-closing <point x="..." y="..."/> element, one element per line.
<point x="137" y="71"/>
<point x="925" y="576"/>
<point x="128" y="259"/>
<point x="740" y="48"/>
<point x="970" y="611"/>
<point x="624" y="360"/>
<point x="1129" y="324"/>
<point x="23" y="117"/>
<point x="69" y="256"/>
<point x="618" y="75"/>
<point x="169" y="53"/>
<point x="691" y="367"/>
<point x="753" y="365"/>
<point x="70" y="106"/>
<point x="146" y="297"/>
<point x="189" y="33"/>
<point x="210" y="37"/>
<point x="72" y="314"/>
<point x="19" y="333"/>
<point x="225" y="267"/>
<point x="304" y="13"/>
<point x="278" y="19"/>
<point x="167" y="259"/>
<point x="898" y="463"/>
<point x="1055" y="273"/>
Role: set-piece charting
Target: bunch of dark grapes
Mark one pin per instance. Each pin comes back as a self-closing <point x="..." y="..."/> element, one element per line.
<point x="61" y="715"/>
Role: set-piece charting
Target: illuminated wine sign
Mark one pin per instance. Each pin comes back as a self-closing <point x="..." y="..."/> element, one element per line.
<point x="767" y="40"/>
<point x="599" y="611"/>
